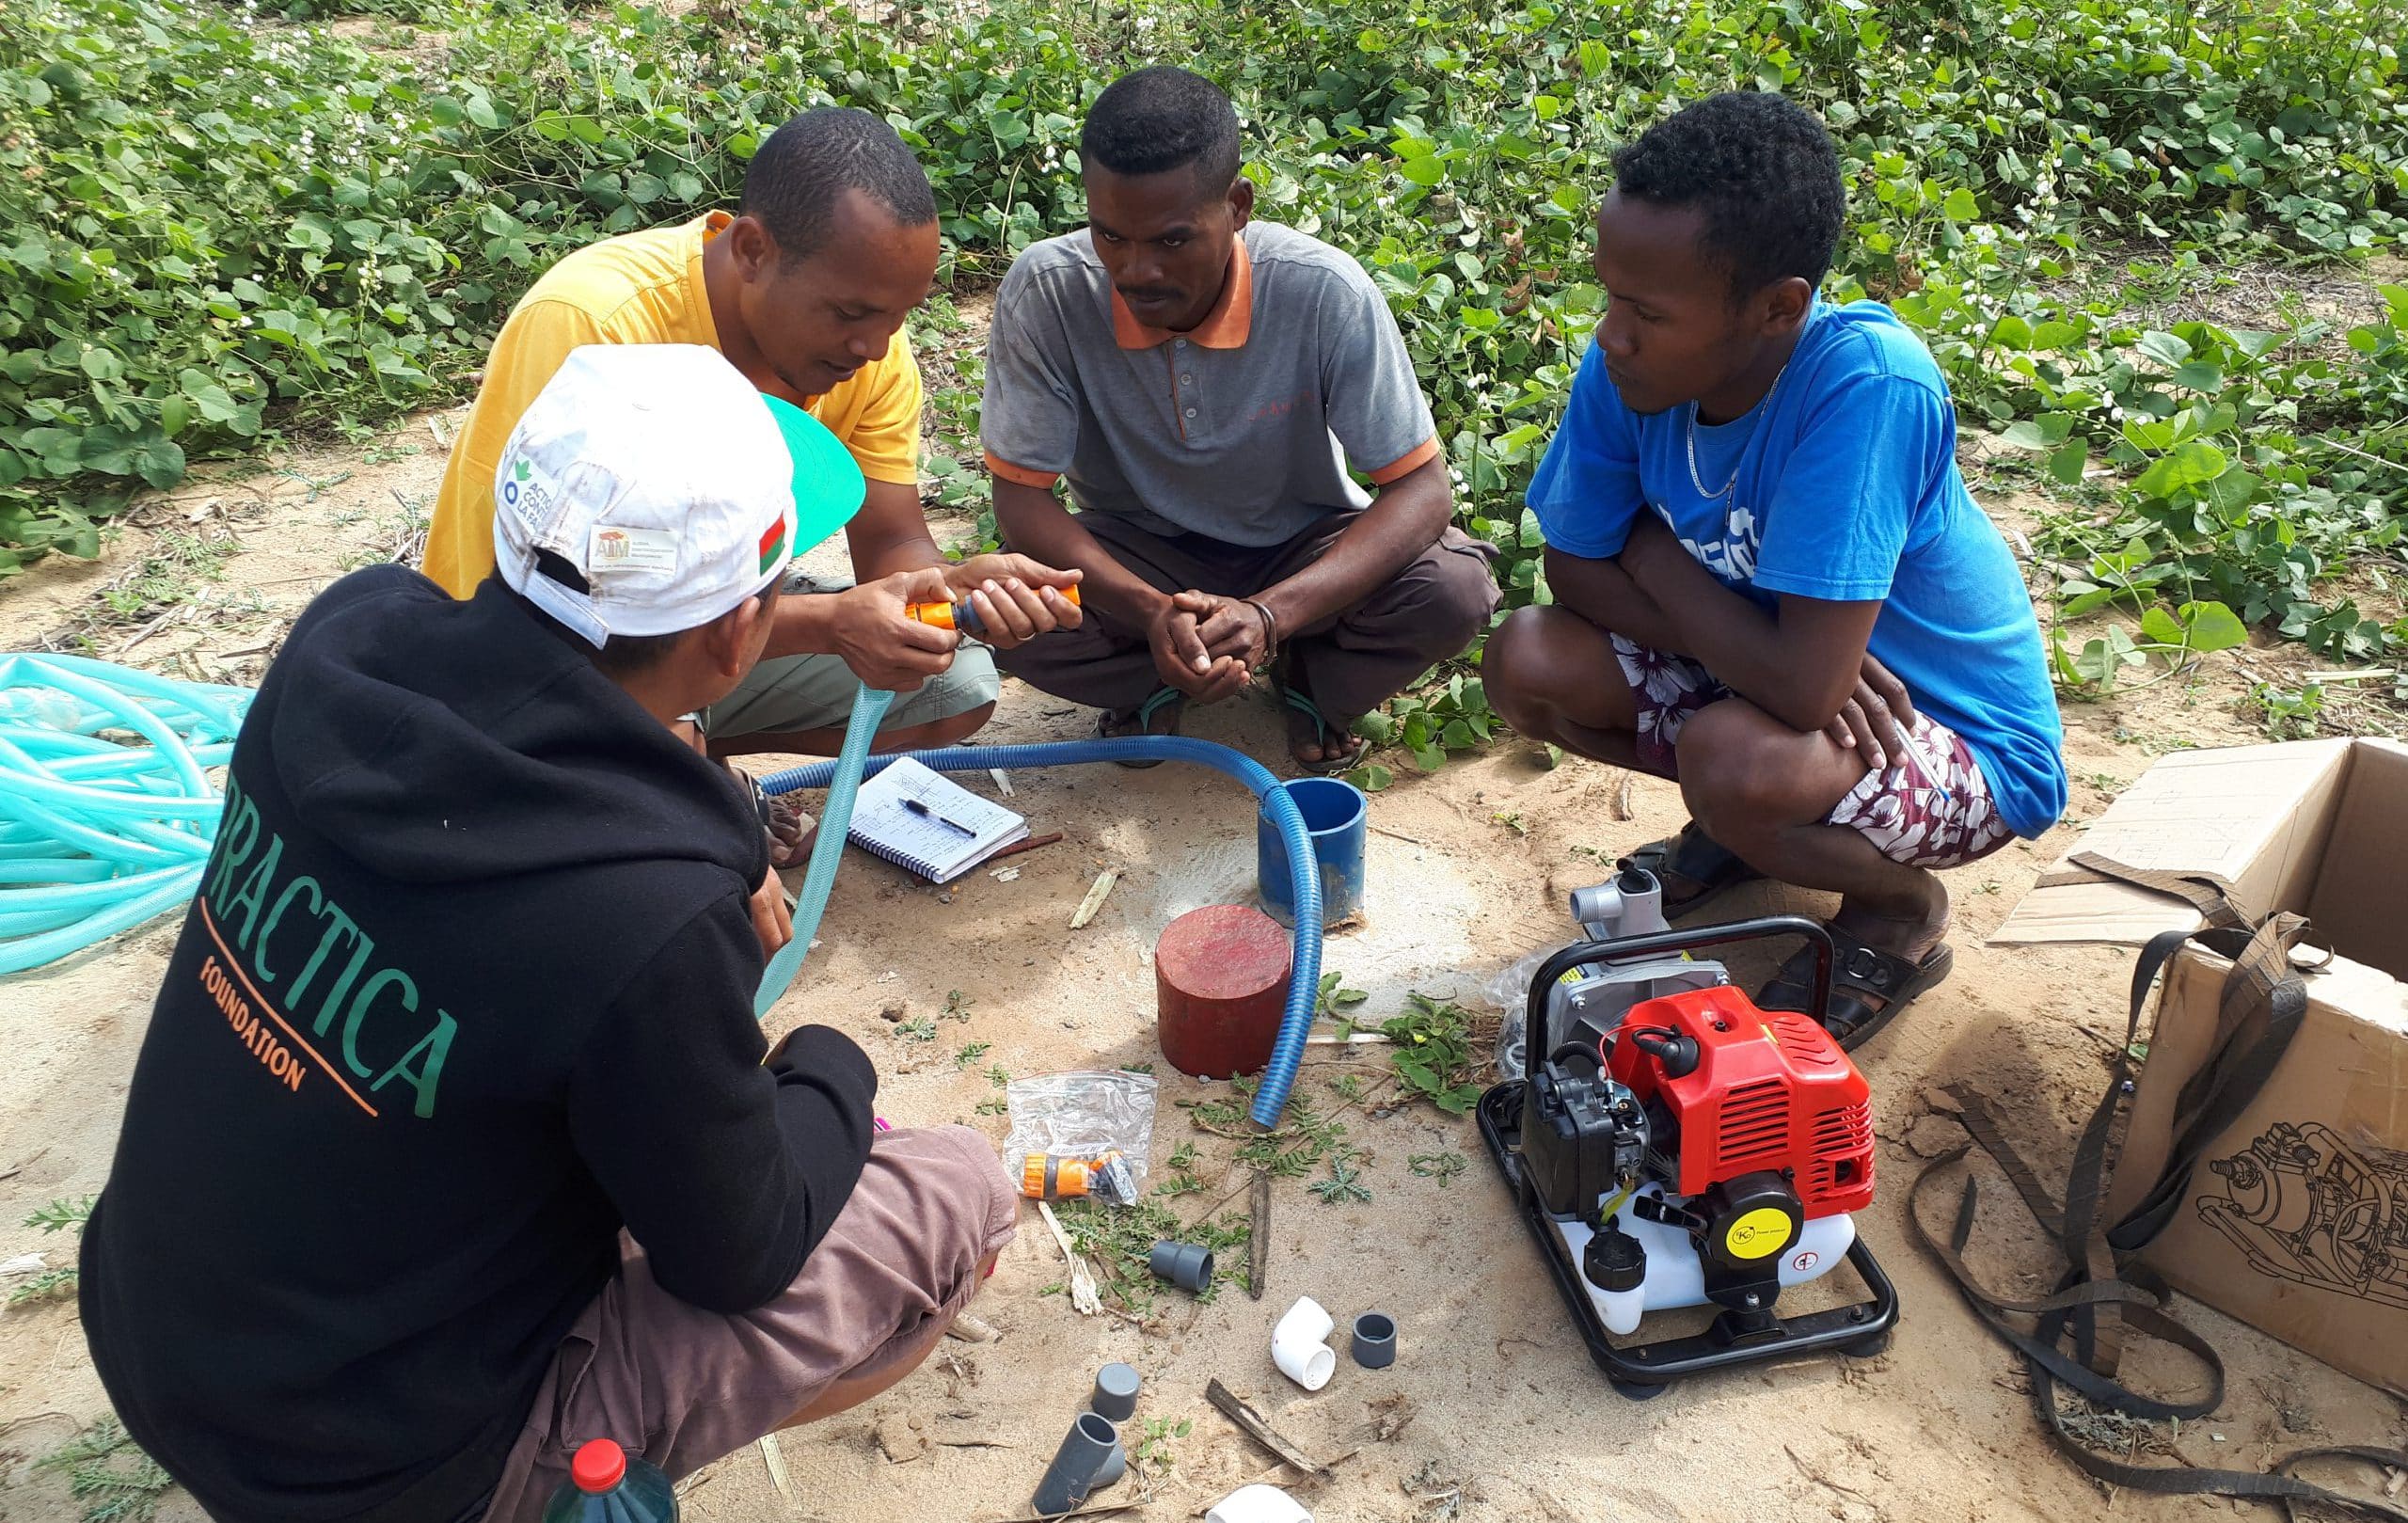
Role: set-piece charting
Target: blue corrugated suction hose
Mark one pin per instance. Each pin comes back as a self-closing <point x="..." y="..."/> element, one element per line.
<point x="1304" y="982"/>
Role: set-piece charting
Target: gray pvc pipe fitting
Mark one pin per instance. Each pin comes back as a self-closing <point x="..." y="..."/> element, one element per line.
<point x="1071" y="1476"/>
<point x="1116" y="1393"/>
<point x="1184" y="1264"/>
<point x="1115" y="1465"/>
<point x="1375" y="1341"/>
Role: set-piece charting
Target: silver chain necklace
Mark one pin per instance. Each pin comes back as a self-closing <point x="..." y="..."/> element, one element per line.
<point x="1765" y="405"/>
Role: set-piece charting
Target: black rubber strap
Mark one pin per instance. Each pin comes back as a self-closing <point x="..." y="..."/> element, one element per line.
<point x="2260" y="1010"/>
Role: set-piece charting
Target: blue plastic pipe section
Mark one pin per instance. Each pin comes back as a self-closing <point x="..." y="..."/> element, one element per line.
<point x="1304" y="982"/>
<point x="98" y="835"/>
<point x="843" y="780"/>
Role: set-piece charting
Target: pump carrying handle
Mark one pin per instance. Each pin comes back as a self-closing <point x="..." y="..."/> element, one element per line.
<point x="1622" y="947"/>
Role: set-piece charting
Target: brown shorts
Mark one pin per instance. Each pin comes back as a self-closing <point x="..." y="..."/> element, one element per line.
<point x="684" y="1387"/>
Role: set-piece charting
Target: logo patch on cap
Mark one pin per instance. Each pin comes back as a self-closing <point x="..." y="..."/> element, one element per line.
<point x="773" y="545"/>
<point x="610" y="548"/>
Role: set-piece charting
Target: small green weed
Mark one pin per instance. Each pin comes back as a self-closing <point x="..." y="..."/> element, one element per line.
<point x="1179" y="1173"/>
<point x="61" y="1215"/>
<point x="1336" y="998"/>
<point x="1433" y="1052"/>
<point x="109" y="1474"/>
<point x="171" y="571"/>
<point x="969" y="1052"/>
<point x="1345" y="1181"/>
<point x="1151" y="1456"/>
<point x="2289" y="713"/>
<point x="1442" y="1167"/>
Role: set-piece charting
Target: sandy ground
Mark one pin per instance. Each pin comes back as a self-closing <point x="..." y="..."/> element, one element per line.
<point x="1507" y="1419"/>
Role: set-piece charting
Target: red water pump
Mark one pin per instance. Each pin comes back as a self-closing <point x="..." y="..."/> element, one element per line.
<point x="1702" y="1152"/>
<point x="1750" y="1092"/>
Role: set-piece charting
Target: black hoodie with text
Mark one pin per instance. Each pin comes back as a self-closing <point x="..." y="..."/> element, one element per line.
<point x="466" y="989"/>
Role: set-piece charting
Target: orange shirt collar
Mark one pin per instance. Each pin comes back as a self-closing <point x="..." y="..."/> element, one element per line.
<point x="697" y="291"/>
<point x="1226" y="326"/>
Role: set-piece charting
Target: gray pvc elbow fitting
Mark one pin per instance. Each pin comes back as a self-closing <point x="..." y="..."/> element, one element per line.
<point x="1375" y="1341"/>
<point x="1184" y="1264"/>
<point x="1067" y="1482"/>
<point x="1116" y="1393"/>
<point x="1115" y="1465"/>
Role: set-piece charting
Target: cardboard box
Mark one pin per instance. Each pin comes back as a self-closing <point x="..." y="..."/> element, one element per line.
<point x="2297" y="1220"/>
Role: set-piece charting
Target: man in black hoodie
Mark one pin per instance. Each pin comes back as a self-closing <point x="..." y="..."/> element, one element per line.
<point x="452" y="1144"/>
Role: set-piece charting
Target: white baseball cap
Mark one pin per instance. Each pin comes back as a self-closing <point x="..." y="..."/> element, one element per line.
<point x="671" y="487"/>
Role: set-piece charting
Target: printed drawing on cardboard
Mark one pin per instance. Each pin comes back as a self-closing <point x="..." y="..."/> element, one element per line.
<point x="2305" y="1205"/>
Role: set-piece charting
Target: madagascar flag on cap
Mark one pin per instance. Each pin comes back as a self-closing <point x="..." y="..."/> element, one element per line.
<point x="773" y="545"/>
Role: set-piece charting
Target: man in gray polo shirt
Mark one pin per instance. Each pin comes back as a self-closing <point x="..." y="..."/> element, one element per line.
<point x="1203" y="382"/>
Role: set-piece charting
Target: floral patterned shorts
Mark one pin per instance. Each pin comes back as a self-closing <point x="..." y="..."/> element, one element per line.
<point x="1930" y="807"/>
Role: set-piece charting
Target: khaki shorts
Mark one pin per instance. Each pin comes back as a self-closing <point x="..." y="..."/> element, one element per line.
<point x="789" y="694"/>
<point x="684" y="1387"/>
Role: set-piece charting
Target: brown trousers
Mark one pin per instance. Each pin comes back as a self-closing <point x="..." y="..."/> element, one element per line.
<point x="1353" y="662"/>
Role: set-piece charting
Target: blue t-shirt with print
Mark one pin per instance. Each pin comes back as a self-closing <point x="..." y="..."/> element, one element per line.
<point x="1843" y="487"/>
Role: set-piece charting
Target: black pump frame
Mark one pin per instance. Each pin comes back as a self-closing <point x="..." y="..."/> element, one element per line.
<point x="1736" y="1338"/>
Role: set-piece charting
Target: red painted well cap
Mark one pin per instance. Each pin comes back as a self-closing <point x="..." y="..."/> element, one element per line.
<point x="1223" y="952"/>
<point x="600" y="1465"/>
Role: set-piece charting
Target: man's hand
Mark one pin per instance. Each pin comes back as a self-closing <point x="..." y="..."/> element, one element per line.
<point x="883" y="645"/>
<point x="771" y="921"/>
<point x="1878" y="717"/>
<point x="1182" y="658"/>
<point x="1017" y="598"/>
<point x="1229" y="626"/>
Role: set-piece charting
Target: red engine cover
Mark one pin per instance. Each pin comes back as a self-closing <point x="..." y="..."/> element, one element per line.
<point x="1771" y="1090"/>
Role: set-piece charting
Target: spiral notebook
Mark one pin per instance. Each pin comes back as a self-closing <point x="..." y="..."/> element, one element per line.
<point x="953" y="831"/>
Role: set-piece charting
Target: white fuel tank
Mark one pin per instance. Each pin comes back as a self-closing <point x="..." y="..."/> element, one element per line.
<point x="1675" y="1276"/>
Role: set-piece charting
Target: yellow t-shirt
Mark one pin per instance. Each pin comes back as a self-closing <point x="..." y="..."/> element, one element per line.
<point x="639" y="288"/>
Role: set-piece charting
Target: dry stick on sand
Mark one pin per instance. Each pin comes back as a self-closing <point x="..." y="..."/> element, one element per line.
<point x="1258" y="1236"/>
<point x="1104" y="1511"/>
<point x="1093" y="903"/>
<point x="1251" y="1423"/>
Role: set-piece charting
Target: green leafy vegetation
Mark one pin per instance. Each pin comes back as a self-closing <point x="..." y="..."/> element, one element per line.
<point x="1442" y="1167"/>
<point x="59" y="1284"/>
<point x="113" y="1480"/>
<point x="1345" y="1181"/>
<point x="1434" y="1053"/>
<point x="1119" y="1241"/>
<point x="225" y="228"/>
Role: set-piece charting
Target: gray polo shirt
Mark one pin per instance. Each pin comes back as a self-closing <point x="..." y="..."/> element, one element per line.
<point x="1241" y="430"/>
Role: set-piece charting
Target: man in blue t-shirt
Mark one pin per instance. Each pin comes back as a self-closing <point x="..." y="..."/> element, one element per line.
<point x="1770" y="580"/>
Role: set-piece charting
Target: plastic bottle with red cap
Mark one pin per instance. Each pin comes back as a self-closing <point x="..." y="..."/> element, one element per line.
<point x="605" y="1485"/>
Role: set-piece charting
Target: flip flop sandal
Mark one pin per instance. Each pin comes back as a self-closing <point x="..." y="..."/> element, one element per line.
<point x="1353" y="748"/>
<point x="1140" y="721"/>
<point x="1858" y="970"/>
<point x="1694" y="855"/>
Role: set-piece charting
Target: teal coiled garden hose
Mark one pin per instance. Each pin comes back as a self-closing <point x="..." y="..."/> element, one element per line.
<point x="843" y="775"/>
<point x="96" y="836"/>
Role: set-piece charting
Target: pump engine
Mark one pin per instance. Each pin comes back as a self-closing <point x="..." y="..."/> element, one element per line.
<point x="1698" y="1151"/>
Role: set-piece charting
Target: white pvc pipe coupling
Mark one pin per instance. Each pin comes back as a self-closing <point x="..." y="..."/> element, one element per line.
<point x="1297" y="1345"/>
<point x="1259" y="1504"/>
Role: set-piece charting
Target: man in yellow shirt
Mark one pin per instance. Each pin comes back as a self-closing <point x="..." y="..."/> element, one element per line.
<point x="804" y="289"/>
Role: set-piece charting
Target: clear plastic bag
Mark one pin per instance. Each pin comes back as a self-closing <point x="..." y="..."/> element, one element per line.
<point x="1082" y="1115"/>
